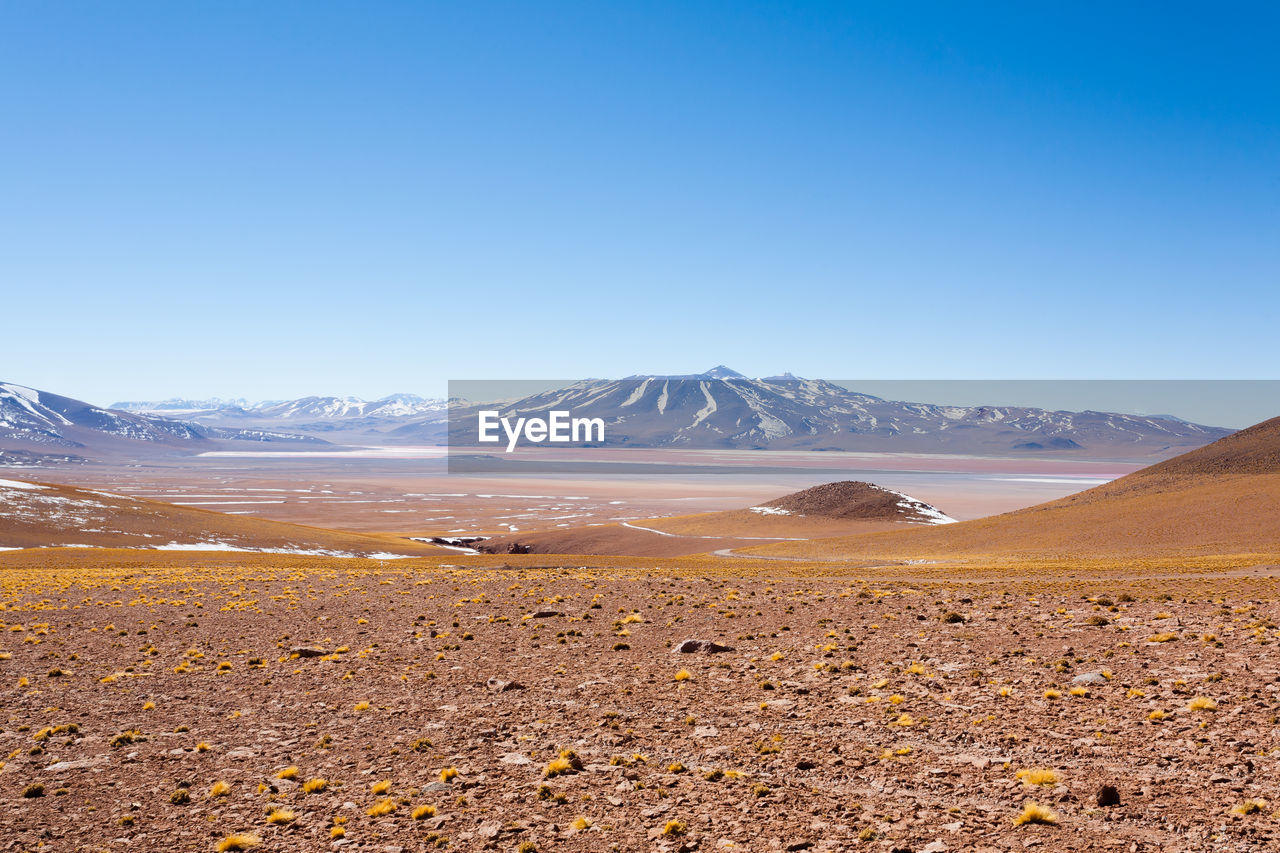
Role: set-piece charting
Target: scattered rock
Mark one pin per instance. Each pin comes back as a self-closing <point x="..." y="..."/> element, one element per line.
<point x="497" y="685"/>
<point x="1089" y="678"/>
<point x="1107" y="796"/>
<point x="689" y="647"/>
<point x="308" y="651"/>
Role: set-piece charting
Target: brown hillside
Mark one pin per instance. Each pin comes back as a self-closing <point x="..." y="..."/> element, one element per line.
<point x="1249" y="452"/>
<point x="832" y="509"/>
<point x="34" y="515"/>
<point x="853" y="499"/>
<point x="1219" y="499"/>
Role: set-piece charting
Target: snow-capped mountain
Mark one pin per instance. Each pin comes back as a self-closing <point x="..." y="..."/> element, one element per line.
<point x="724" y="409"/>
<point x="336" y="419"/>
<point x="31" y="418"/>
<point x="176" y="407"/>
<point x="302" y="409"/>
<point x="335" y="408"/>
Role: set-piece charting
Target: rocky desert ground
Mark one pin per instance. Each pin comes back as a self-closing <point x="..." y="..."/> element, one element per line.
<point x="200" y="702"/>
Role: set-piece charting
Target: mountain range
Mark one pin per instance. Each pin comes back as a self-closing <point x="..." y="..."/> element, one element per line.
<point x="36" y="425"/>
<point x="717" y="409"/>
<point x="722" y="409"/>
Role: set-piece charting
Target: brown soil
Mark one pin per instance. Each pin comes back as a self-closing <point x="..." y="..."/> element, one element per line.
<point x="53" y="515"/>
<point x="887" y="715"/>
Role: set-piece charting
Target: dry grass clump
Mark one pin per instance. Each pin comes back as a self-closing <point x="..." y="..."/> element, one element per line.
<point x="448" y="774"/>
<point x="1202" y="703"/>
<point x="281" y="816"/>
<point x="382" y="808"/>
<point x="567" y="762"/>
<point x="423" y="812"/>
<point x="1038" y="776"/>
<point x="1249" y="807"/>
<point x="1166" y="637"/>
<point x="288" y="773"/>
<point x="314" y="786"/>
<point x="675" y="828"/>
<point x="239" y="841"/>
<point x="219" y="789"/>
<point x="381" y="787"/>
<point x="1036" y="813"/>
<point x="683" y="675"/>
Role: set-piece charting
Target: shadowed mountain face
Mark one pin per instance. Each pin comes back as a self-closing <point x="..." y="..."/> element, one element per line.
<point x="724" y="410"/>
<point x="37" y="422"/>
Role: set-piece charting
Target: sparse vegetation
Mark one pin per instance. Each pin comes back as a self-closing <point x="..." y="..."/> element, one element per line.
<point x="1036" y="813"/>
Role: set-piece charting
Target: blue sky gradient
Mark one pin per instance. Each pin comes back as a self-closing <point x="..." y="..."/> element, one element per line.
<point x="275" y="199"/>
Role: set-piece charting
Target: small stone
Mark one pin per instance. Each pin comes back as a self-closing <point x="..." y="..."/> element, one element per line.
<point x="689" y="647"/>
<point x="1089" y="678"/>
<point x="497" y="685"/>
<point x="308" y="651"/>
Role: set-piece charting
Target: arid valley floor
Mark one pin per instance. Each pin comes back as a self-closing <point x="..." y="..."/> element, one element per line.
<point x="163" y="701"/>
<point x="1095" y="672"/>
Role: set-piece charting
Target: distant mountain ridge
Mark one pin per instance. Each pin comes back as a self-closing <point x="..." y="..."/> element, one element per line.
<point x="34" y="421"/>
<point x="717" y="409"/>
<point x="722" y="409"/>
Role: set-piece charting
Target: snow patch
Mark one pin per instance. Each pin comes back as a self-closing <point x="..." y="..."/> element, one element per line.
<point x="18" y="484"/>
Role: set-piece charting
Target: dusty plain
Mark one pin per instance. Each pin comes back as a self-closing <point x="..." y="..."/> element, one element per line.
<point x="158" y="701"/>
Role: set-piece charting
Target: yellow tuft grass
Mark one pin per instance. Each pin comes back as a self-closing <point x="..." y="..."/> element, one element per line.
<point x="281" y="816"/>
<point x="1249" y="807"/>
<point x="239" y="841"/>
<point x="381" y="787"/>
<point x="1036" y="813"/>
<point x="675" y="828"/>
<point x="448" y="773"/>
<point x="288" y="773"/>
<point x="1038" y="776"/>
<point x="1202" y="703"/>
<point x="423" y="812"/>
<point x="314" y="786"/>
<point x="219" y="789"/>
<point x="683" y="675"/>
<point x="383" y="807"/>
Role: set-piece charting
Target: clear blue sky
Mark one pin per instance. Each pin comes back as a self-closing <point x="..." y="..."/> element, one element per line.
<point x="270" y="199"/>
